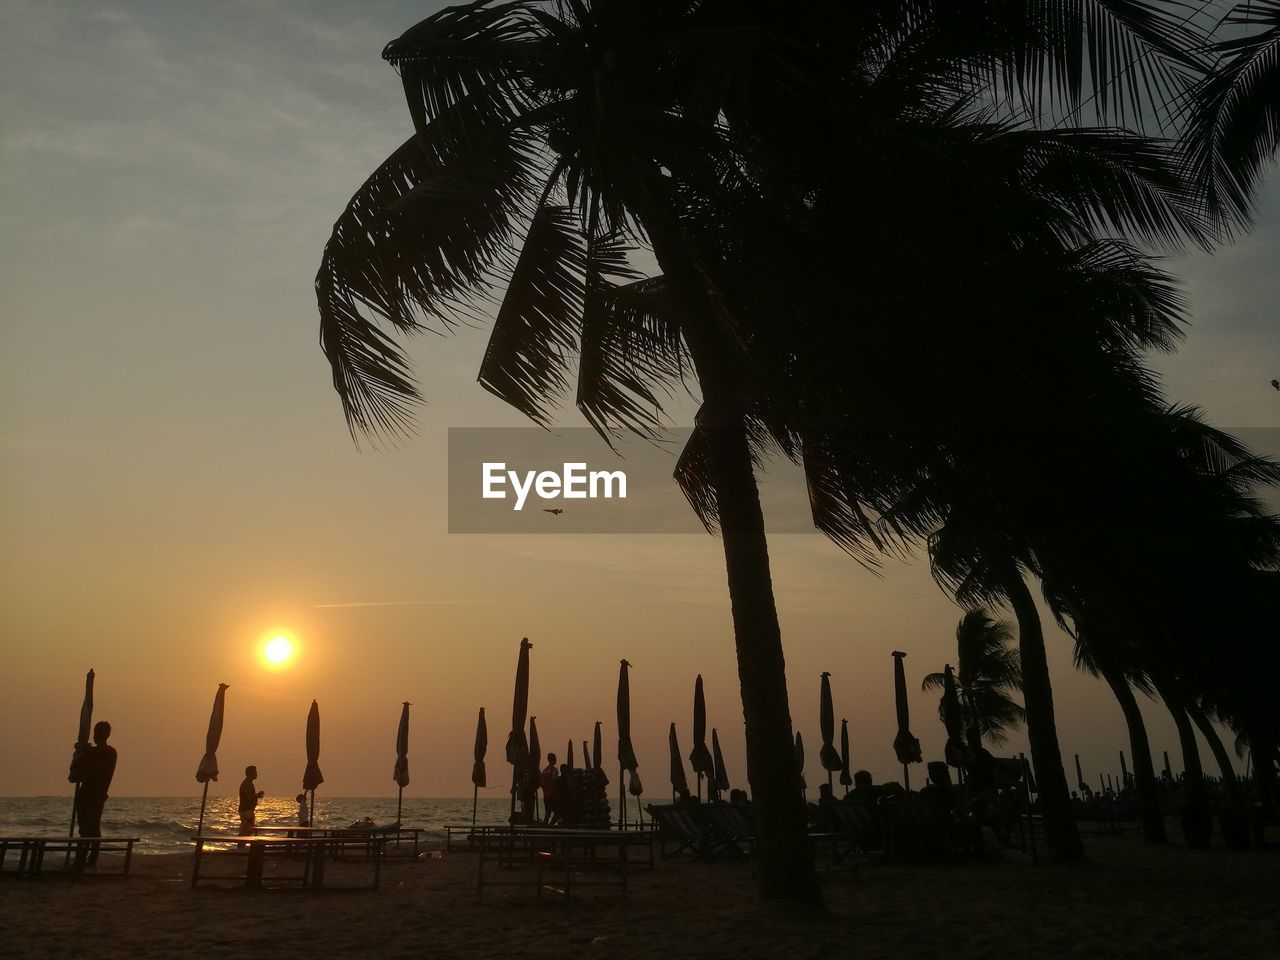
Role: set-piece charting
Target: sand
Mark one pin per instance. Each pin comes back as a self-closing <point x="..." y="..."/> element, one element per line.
<point x="1131" y="901"/>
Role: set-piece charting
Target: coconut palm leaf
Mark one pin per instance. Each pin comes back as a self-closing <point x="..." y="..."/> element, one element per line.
<point x="1234" y="123"/>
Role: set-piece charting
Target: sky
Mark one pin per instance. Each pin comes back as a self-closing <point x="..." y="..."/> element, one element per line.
<point x="177" y="482"/>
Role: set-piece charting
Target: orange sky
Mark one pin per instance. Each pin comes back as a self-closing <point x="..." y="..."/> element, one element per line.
<point x="177" y="480"/>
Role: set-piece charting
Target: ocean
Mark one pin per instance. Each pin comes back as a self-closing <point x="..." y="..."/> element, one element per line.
<point x="166" y="824"/>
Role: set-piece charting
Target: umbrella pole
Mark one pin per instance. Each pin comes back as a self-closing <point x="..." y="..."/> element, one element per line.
<point x="699" y="788"/>
<point x="640" y="811"/>
<point x="399" y="807"/>
<point x="906" y="778"/>
<point x="829" y="787"/>
<point x="311" y="813"/>
<point x="622" y="800"/>
<point x="204" y="798"/>
<point x="475" y="793"/>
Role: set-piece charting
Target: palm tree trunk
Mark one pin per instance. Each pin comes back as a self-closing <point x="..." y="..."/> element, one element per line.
<point x="1197" y="823"/>
<point x="1144" y="773"/>
<point x="1054" y="794"/>
<point x="1219" y="751"/>
<point x="783" y="863"/>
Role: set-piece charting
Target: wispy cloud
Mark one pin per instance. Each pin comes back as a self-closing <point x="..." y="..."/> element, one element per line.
<point x="400" y="603"/>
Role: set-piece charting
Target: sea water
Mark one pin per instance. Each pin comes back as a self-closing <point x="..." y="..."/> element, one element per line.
<point x="167" y="824"/>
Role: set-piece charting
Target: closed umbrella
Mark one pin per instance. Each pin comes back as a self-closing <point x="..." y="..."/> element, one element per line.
<point x="626" y="752"/>
<point x="700" y="757"/>
<point x="587" y="762"/>
<point x="720" y="776"/>
<point x="1124" y="772"/>
<point x="208" y="769"/>
<point x="679" y="783"/>
<point x="535" y="759"/>
<point x="401" y="773"/>
<point x="597" y="754"/>
<point x="478" y="778"/>
<point x="1168" y="770"/>
<point x="846" y="779"/>
<point x="517" y="745"/>
<point x="905" y="745"/>
<point x="800" y="763"/>
<point x="312" y="777"/>
<point x="827" y="755"/>
<point x="82" y="742"/>
<point x="568" y="755"/>
<point x="1079" y="775"/>
<point x="952" y="719"/>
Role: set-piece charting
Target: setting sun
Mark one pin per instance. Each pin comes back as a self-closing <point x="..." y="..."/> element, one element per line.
<point x="278" y="651"/>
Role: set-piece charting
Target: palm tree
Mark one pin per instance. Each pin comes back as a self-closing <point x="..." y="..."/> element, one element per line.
<point x="989" y="670"/>
<point x="551" y="139"/>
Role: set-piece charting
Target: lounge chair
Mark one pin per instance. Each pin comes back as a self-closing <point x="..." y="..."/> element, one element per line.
<point x="690" y="829"/>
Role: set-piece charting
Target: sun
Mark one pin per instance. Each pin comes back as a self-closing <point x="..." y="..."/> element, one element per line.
<point x="278" y="651"/>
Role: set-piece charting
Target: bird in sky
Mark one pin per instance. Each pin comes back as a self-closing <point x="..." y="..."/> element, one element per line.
<point x="1276" y="384"/>
<point x="556" y="510"/>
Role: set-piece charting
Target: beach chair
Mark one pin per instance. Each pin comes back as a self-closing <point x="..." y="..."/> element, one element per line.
<point x="689" y="829"/>
<point x="914" y="828"/>
<point x="732" y="826"/>
<point x="856" y="822"/>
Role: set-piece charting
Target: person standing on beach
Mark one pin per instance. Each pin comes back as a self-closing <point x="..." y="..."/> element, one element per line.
<point x="550" y="801"/>
<point x="93" y="765"/>
<point x="248" y="801"/>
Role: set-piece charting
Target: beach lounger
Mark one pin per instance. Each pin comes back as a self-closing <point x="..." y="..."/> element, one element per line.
<point x="856" y="822"/>
<point x="689" y="829"/>
<point x="731" y="825"/>
<point x="914" y="828"/>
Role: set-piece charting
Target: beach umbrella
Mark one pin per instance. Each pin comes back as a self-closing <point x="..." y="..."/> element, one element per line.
<point x="208" y="769"/>
<point x="626" y="751"/>
<point x="478" y="778"/>
<point x="535" y="745"/>
<point x="800" y="761"/>
<point x="827" y="755"/>
<point x="679" y="783"/>
<point x="401" y="773"/>
<point x="312" y="777"/>
<point x="535" y="759"/>
<point x="568" y="755"/>
<point x="587" y="762"/>
<point x="720" y="776"/>
<point x="1168" y="770"/>
<point x="952" y="719"/>
<point x="1124" y="772"/>
<point x="905" y="745"/>
<point x="517" y="745"/>
<point x="846" y="778"/>
<point x="700" y="757"/>
<point x="82" y="741"/>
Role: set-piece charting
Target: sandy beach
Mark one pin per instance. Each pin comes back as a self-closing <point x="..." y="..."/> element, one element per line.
<point x="1131" y="901"/>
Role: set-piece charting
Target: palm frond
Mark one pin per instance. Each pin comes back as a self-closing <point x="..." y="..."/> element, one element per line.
<point x="1234" y="124"/>
<point x="418" y="238"/>
<point x="536" y="332"/>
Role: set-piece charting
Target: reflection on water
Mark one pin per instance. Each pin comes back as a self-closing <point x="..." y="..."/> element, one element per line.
<point x="166" y="824"/>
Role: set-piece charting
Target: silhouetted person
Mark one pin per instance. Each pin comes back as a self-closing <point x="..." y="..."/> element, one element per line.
<point x="248" y="801"/>
<point x="863" y="787"/>
<point x="550" y="795"/>
<point x="824" y="792"/>
<point x="738" y="798"/>
<point x="304" y="814"/>
<point x="93" y="765"/>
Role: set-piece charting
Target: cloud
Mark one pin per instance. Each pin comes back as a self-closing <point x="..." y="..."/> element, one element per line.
<point x="400" y="603"/>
